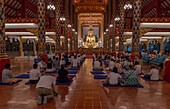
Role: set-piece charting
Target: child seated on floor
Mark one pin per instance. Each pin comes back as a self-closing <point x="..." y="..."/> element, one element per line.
<point x="63" y="75"/>
<point x="97" y="65"/>
<point x="124" y="63"/>
<point x="75" y="62"/>
<point x="137" y="67"/>
<point x="34" y="74"/>
<point x="50" y="66"/>
<point x="153" y="74"/>
<point x="113" y="77"/>
<point x="7" y="76"/>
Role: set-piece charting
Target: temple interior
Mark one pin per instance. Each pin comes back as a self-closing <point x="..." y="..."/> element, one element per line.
<point x="95" y="44"/>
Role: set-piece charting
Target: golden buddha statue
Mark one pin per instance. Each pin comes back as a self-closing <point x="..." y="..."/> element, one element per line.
<point x="90" y="39"/>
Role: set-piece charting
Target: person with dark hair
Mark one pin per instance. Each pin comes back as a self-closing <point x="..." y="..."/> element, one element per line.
<point x="131" y="77"/>
<point x="63" y="75"/>
<point x="50" y="66"/>
<point x="42" y="65"/>
<point x="97" y="65"/>
<point x="75" y="62"/>
<point x="113" y="77"/>
<point x="34" y="74"/>
<point x="137" y="67"/>
<point x="154" y="73"/>
<point x="7" y="76"/>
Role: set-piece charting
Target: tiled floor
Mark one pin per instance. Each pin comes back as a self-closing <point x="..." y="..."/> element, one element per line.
<point x="86" y="93"/>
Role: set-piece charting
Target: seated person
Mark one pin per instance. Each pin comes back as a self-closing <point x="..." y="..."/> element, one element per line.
<point x="113" y="77"/>
<point x="79" y="59"/>
<point x="62" y="62"/>
<point x="131" y="77"/>
<point x="7" y="76"/>
<point x="111" y="64"/>
<point x="118" y="66"/>
<point x="107" y="61"/>
<point x="57" y="64"/>
<point x="124" y="63"/>
<point x="75" y="62"/>
<point x="42" y="65"/>
<point x="46" y="88"/>
<point x="137" y="67"/>
<point x="50" y="66"/>
<point x="35" y="74"/>
<point x="63" y="75"/>
<point x="97" y="65"/>
<point x="154" y="73"/>
<point x="129" y="62"/>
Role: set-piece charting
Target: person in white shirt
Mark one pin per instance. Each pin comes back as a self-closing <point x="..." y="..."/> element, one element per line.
<point x="137" y="67"/>
<point x="111" y="64"/>
<point x="62" y="62"/>
<point x="34" y="74"/>
<point x="124" y="63"/>
<point x="129" y="62"/>
<point x="78" y="59"/>
<point x="154" y="73"/>
<point x="113" y="77"/>
<point x="72" y="57"/>
<point x="40" y="65"/>
<point x="75" y="62"/>
<point x="46" y="88"/>
<point x="97" y="65"/>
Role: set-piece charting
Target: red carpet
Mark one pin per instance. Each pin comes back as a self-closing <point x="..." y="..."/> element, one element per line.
<point x="89" y="56"/>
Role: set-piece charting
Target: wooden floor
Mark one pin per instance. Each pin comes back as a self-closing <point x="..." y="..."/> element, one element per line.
<point x="86" y="93"/>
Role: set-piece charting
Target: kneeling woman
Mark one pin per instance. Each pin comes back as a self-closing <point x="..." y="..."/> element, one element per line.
<point x="63" y="75"/>
<point x="113" y="77"/>
<point x="131" y="77"/>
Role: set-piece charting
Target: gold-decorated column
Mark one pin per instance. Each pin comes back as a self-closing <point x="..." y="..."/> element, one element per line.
<point x="2" y="31"/>
<point x="114" y="25"/>
<point x="121" y="31"/>
<point x="136" y="27"/>
<point x="57" y="26"/>
<point x="66" y="26"/>
<point x="41" y="27"/>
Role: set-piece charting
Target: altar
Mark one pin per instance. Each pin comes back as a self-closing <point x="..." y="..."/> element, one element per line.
<point x="91" y="41"/>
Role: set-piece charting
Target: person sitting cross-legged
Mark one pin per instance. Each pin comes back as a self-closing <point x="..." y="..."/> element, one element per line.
<point x="7" y="76"/>
<point x="63" y="75"/>
<point x="46" y="88"/>
<point x="75" y="62"/>
<point x="131" y="77"/>
<point x="34" y="74"/>
<point x="137" y="67"/>
<point x="97" y="65"/>
<point x="153" y="74"/>
<point x="113" y="77"/>
<point x="50" y="66"/>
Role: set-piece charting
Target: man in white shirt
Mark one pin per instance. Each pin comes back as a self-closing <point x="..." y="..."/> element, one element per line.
<point x="35" y="74"/>
<point x="62" y="62"/>
<point x="79" y="59"/>
<point x="97" y="65"/>
<point x="111" y="64"/>
<point x="75" y="62"/>
<point x="41" y="65"/>
<point x="46" y="88"/>
<point x="154" y="73"/>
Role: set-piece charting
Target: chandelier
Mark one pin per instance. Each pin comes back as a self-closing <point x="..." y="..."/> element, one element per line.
<point x="62" y="19"/>
<point x="128" y="6"/>
<point x="117" y="19"/>
<point x="51" y="7"/>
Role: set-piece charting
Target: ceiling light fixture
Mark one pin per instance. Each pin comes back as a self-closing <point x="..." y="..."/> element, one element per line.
<point x="51" y="7"/>
<point x="117" y="19"/>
